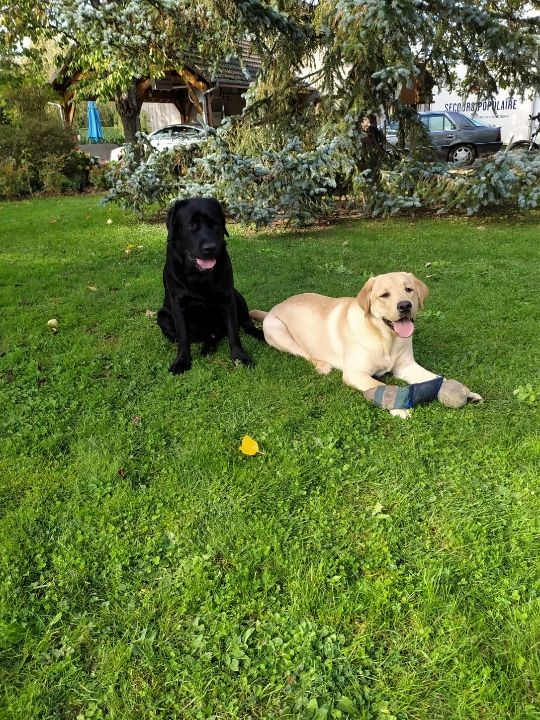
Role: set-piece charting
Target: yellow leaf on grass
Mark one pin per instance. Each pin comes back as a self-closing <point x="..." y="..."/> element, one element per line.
<point x="132" y="246"/>
<point x="93" y="288"/>
<point x="249" y="446"/>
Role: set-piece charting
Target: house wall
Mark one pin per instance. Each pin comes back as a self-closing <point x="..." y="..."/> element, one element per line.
<point x="160" y="114"/>
<point x="226" y="102"/>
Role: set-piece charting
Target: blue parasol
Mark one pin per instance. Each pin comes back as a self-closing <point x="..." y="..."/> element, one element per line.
<point x="95" y="131"/>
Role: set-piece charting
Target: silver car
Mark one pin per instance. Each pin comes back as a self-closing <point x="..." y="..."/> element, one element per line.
<point x="457" y="138"/>
<point x="167" y="138"/>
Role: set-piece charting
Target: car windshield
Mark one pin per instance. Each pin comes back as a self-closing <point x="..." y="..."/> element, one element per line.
<point x="184" y="132"/>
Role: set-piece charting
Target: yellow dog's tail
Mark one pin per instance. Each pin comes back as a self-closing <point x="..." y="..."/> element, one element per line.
<point x="257" y="314"/>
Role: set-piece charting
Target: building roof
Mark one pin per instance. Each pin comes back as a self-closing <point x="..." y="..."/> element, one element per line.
<point x="232" y="71"/>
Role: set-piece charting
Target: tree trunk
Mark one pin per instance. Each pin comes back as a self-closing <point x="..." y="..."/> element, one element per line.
<point x="128" y="109"/>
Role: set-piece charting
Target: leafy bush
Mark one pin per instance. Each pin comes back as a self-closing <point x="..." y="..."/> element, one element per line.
<point x="13" y="179"/>
<point x="100" y="176"/>
<point x="34" y="145"/>
<point x="61" y="173"/>
<point x="153" y="182"/>
<point x="38" y="150"/>
<point x="299" y="181"/>
<point x="42" y="156"/>
<point x="296" y="182"/>
<point x="507" y="178"/>
<point x="52" y="178"/>
<point x="76" y="168"/>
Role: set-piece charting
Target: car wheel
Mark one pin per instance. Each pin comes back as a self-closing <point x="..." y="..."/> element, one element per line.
<point x="462" y="155"/>
<point x="522" y="146"/>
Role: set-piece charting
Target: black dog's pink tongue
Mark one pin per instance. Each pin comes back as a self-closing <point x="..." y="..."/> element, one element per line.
<point x="206" y="264"/>
<point x="404" y="327"/>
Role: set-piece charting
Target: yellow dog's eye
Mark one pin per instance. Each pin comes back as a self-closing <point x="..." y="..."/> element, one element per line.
<point x="385" y="295"/>
<point x="408" y="289"/>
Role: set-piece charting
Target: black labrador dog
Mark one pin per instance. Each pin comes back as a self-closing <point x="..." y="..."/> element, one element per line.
<point x="201" y="303"/>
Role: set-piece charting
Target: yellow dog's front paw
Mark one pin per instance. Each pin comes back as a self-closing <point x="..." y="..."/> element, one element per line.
<point x="321" y="367"/>
<point x="400" y="413"/>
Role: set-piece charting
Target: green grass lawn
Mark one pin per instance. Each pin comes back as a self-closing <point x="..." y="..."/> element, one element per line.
<point x="360" y="567"/>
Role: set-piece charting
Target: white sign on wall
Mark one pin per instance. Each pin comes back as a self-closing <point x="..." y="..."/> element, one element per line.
<point x="511" y="114"/>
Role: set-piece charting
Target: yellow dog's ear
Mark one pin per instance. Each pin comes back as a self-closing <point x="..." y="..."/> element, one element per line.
<point x="422" y="291"/>
<point x="364" y="296"/>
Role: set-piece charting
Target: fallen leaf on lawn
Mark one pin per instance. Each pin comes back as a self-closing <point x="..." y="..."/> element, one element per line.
<point x="150" y="314"/>
<point x="122" y="472"/>
<point x="93" y="288"/>
<point x="377" y="509"/>
<point x="136" y="420"/>
<point x="53" y="324"/>
<point x="427" y="264"/>
<point x="109" y="221"/>
<point x="480" y="227"/>
<point x="129" y="248"/>
<point x="53" y="220"/>
<point x="345" y="244"/>
<point x="249" y="446"/>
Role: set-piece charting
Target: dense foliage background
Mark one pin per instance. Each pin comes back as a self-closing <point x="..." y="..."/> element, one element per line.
<point x="326" y="67"/>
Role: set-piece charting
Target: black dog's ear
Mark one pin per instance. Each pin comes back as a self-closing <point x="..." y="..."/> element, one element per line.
<point x="171" y="216"/>
<point x="223" y="219"/>
<point x="221" y="215"/>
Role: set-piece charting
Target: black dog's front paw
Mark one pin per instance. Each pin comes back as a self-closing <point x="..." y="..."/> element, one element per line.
<point x="180" y="365"/>
<point x="257" y="333"/>
<point x="241" y="356"/>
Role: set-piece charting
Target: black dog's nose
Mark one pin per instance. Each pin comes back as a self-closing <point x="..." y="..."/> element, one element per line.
<point x="208" y="249"/>
<point x="404" y="306"/>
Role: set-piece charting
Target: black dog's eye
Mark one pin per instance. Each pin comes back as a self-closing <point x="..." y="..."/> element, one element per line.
<point x="385" y="295"/>
<point x="408" y="289"/>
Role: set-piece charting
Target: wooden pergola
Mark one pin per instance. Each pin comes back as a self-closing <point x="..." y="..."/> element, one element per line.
<point x="197" y="93"/>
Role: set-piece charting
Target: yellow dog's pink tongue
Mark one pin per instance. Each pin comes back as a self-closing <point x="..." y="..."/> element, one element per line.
<point x="205" y="264"/>
<point x="404" y="327"/>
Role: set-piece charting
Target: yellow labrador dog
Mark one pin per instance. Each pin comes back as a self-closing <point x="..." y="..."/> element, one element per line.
<point x="365" y="337"/>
